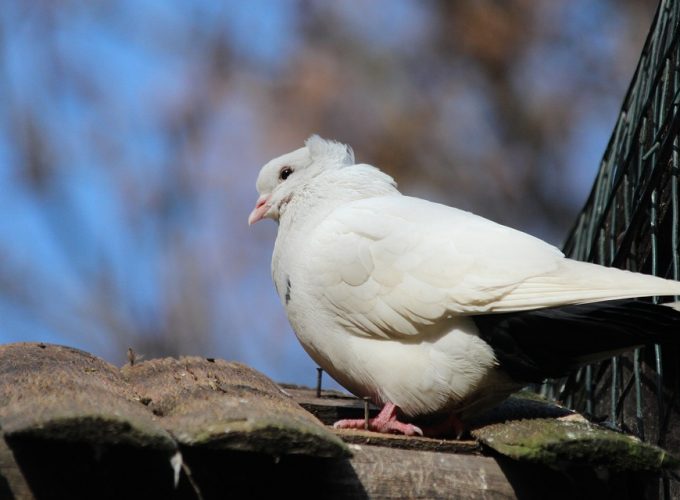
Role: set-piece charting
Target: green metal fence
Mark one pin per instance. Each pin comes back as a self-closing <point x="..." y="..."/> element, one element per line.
<point x="631" y="220"/>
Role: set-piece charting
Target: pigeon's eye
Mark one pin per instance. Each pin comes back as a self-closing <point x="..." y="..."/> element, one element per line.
<point x="285" y="172"/>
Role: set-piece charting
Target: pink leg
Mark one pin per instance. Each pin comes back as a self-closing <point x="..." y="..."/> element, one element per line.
<point x="385" y="422"/>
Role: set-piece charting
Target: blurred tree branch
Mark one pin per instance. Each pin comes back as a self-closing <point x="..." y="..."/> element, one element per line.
<point x="136" y="133"/>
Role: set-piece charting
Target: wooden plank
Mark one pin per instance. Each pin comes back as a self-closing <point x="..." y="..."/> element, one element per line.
<point x="331" y="406"/>
<point x="394" y="473"/>
<point x="363" y="437"/>
<point x="13" y="484"/>
<point x="373" y="472"/>
<point x="380" y="472"/>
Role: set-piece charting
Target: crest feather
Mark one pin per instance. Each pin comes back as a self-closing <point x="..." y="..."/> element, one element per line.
<point x="320" y="148"/>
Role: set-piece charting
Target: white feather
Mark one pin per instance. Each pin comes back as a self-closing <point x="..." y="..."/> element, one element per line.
<point x="377" y="285"/>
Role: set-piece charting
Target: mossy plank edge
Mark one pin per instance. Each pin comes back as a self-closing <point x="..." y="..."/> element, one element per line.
<point x="267" y="435"/>
<point x="100" y="429"/>
<point x="55" y="392"/>
<point x="228" y="405"/>
<point x="556" y="443"/>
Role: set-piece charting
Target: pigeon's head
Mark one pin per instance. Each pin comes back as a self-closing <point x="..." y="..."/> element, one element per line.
<point x="282" y="177"/>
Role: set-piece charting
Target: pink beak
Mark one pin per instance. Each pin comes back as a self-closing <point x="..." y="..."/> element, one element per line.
<point x="260" y="209"/>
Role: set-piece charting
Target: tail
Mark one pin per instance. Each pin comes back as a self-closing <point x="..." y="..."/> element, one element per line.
<point x="575" y="282"/>
<point x="548" y="343"/>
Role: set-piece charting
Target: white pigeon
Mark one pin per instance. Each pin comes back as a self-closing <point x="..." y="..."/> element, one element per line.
<point x="434" y="312"/>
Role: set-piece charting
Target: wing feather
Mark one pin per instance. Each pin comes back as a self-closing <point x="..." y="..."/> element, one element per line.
<point x="391" y="266"/>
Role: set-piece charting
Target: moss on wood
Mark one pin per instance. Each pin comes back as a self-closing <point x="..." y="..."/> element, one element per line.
<point x="556" y="442"/>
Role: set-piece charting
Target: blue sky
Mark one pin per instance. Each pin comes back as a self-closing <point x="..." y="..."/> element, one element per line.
<point x="101" y="84"/>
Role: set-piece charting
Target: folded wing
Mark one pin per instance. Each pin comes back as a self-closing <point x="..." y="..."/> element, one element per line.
<point x="397" y="266"/>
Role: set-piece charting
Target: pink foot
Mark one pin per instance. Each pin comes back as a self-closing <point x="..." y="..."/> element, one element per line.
<point x="386" y="422"/>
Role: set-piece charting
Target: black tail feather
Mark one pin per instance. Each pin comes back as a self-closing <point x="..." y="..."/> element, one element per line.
<point x="548" y="343"/>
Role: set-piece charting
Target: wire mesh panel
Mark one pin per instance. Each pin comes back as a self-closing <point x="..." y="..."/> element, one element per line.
<point x="631" y="220"/>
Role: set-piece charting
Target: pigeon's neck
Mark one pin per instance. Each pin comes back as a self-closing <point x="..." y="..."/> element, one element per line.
<point x="313" y="203"/>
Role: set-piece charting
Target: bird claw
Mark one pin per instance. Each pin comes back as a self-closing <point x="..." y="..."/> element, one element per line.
<point x="392" y="427"/>
<point x="385" y="422"/>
